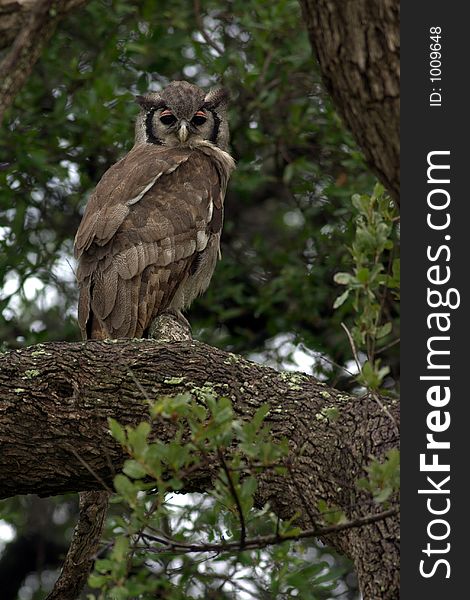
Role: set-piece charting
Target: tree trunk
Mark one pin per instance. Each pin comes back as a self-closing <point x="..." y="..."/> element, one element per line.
<point x="357" y="46"/>
<point x="56" y="398"/>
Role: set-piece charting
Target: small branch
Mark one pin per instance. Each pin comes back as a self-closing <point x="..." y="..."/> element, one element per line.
<point x="264" y="70"/>
<point x="200" y="24"/>
<point x="390" y="345"/>
<point x="90" y="470"/>
<point x="234" y="493"/>
<point x="18" y="63"/>
<point x="353" y="347"/>
<point x="265" y="540"/>
<point x="386" y="411"/>
<point x="327" y="359"/>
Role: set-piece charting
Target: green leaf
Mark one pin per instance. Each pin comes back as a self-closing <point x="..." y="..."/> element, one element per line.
<point x="138" y="438"/>
<point x="248" y="488"/>
<point x="133" y="469"/>
<point x="117" y="431"/>
<point x="383" y="478"/>
<point x="363" y="275"/>
<point x="120" y="548"/>
<point x="103" y="565"/>
<point x="260" y="415"/>
<point x="97" y="581"/>
<point x="118" y="593"/>
<point x="384" y="330"/>
<point x="343" y="278"/>
<point x="124" y="487"/>
<point x="341" y="299"/>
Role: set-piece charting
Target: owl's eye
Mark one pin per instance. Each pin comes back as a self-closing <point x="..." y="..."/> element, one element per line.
<point x="167" y="117"/>
<point x="199" y="118"/>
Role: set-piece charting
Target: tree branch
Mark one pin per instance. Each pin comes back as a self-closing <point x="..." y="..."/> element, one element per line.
<point x="35" y="23"/>
<point x="200" y="23"/>
<point x="233" y="491"/>
<point x="58" y="396"/>
<point x="94" y="505"/>
<point x="263" y="541"/>
<point x="83" y="547"/>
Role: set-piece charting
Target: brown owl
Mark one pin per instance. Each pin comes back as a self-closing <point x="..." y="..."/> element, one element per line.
<point x="149" y="239"/>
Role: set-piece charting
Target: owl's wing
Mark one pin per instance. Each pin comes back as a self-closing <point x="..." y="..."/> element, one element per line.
<point x="144" y="226"/>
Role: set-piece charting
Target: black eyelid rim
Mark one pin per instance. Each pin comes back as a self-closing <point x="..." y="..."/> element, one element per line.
<point x="171" y="117"/>
<point x="195" y="117"/>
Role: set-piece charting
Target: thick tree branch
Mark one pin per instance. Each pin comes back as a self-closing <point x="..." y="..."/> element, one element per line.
<point x="357" y="45"/>
<point x="56" y="398"/>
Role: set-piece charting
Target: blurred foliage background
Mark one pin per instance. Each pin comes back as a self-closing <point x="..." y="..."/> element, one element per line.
<point x="289" y="215"/>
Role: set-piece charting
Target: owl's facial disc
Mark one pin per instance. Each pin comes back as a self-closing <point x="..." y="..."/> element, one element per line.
<point x="182" y="127"/>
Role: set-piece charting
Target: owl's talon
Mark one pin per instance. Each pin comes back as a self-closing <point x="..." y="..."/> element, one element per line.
<point x="170" y="326"/>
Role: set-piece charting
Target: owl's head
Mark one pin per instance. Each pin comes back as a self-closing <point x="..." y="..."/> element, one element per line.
<point x="183" y="114"/>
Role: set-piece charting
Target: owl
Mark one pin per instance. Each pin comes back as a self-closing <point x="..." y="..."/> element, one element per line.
<point x="149" y="239"/>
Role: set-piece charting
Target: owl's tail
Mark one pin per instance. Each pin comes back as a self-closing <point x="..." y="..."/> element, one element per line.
<point x="95" y="330"/>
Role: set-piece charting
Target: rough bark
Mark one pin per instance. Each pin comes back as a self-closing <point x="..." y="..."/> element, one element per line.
<point x="56" y="398"/>
<point x="13" y="16"/>
<point x="357" y="46"/>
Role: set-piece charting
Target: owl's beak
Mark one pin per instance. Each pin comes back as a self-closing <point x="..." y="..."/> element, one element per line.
<point x="183" y="130"/>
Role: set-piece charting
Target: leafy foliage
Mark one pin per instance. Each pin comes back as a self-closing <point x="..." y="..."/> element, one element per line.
<point x="213" y="543"/>
<point x="373" y="284"/>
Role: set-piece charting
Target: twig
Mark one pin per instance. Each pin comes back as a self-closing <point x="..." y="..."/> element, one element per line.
<point x="278" y="525"/>
<point x="387" y="412"/>
<point x="234" y="493"/>
<point x="268" y="540"/>
<point x="394" y="343"/>
<point x="200" y="24"/>
<point x="92" y="471"/>
<point x="71" y="267"/>
<point x="322" y="357"/>
<point x="140" y="387"/>
<point x="264" y="70"/>
<point x="353" y="347"/>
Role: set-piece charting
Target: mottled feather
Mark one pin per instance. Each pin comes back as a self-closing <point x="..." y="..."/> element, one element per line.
<point x="153" y="216"/>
